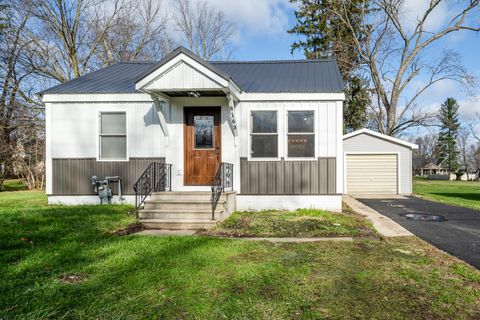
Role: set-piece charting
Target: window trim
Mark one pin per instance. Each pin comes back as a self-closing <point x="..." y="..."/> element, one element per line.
<point x="314" y="133"/>
<point x="99" y="135"/>
<point x="250" y="133"/>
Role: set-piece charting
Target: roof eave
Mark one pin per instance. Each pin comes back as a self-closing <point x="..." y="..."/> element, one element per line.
<point x="380" y="136"/>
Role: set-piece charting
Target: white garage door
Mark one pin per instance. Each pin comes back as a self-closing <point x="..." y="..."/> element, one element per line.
<point x="372" y="174"/>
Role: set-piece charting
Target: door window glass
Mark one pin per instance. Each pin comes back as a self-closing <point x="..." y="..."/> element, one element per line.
<point x="203" y="132"/>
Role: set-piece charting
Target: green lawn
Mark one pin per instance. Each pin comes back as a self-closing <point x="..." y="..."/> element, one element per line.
<point x="59" y="262"/>
<point x="305" y="223"/>
<point x="457" y="193"/>
<point x="13" y="185"/>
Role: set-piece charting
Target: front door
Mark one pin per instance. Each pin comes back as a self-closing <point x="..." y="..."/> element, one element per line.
<point x="202" y="145"/>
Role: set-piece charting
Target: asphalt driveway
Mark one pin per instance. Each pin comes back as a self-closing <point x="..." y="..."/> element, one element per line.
<point x="458" y="233"/>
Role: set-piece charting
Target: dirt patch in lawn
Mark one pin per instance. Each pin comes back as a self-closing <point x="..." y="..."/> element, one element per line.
<point x="131" y="228"/>
<point x="72" y="278"/>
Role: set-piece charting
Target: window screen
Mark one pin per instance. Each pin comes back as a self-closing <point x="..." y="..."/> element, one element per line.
<point x="301" y="134"/>
<point x="264" y="135"/>
<point x="113" y="135"/>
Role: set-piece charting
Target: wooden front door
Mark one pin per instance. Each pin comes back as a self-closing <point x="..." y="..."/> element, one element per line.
<point x="202" y="145"/>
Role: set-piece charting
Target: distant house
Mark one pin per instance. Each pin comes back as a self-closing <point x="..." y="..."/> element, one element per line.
<point x="468" y="174"/>
<point x="433" y="169"/>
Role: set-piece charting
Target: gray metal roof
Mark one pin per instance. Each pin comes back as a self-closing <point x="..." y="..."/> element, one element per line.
<point x="117" y="78"/>
<point x="299" y="76"/>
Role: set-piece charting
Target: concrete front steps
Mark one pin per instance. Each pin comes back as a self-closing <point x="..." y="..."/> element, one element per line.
<point x="184" y="210"/>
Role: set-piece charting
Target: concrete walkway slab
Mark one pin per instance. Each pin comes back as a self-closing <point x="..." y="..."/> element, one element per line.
<point x="291" y="240"/>
<point x="165" y="233"/>
<point x="385" y="226"/>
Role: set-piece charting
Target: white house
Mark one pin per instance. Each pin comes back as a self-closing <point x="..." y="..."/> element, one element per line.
<point x="276" y="126"/>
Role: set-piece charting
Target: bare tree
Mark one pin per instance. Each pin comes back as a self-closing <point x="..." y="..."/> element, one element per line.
<point x="66" y="34"/>
<point x="205" y="29"/>
<point x="426" y="148"/>
<point x="393" y="56"/>
<point x="475" y="151"/>
<point x="464" y="147"/>
<point x="138" y="34"/>
<point x="20" y="115"/>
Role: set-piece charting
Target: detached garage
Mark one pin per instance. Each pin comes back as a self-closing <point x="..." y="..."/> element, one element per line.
<point x="377" y="164"/>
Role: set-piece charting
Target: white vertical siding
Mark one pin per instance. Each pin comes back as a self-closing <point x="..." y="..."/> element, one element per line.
<point x="339" y="142"/>
<point x="73" y="129"/>
<point x="328" y="119"/>
<point x="183" y="76"/>
<point x="368" y="144"/>
<point x="48" y="148"/>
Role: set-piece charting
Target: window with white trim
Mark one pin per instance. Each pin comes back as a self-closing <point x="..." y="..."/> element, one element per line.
<point x="300" y="134"/>
<point x="264" y="134"/>
<point x="113" y="136"/>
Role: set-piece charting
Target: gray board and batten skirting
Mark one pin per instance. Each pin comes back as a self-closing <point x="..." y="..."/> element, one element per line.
<point x="316" y="177"/>
<point x="72" y="176"/>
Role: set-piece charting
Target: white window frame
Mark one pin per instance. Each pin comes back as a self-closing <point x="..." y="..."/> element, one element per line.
<point x="314" y="133"/>
<point x="99" y="135"/>
<point x="279" y="136"/>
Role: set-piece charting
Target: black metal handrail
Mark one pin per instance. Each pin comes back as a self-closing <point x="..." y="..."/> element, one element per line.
<point x="157" y="177"/>
<point x="222" y="181"/>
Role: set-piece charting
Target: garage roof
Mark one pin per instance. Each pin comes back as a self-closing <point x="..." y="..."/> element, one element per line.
<point x="381" y="136"/>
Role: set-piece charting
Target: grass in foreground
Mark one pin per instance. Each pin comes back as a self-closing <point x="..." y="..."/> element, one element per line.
<point x="13" y="185"/>
<point x="302" y="223"/>
<point x="457" y="193"/>
<point x="64" y="262"/>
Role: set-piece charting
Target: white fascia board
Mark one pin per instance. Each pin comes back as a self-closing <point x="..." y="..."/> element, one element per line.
<point x="117" y="97"/>
<point x="173" y="62"/>
<point x="292" y="96"/>
<point x="380" y="136"/>
<point x="234" y="89"/>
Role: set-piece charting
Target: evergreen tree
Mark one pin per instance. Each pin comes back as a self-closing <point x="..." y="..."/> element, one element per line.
<point x="324" y="36"/>
<point x="446" y="148"/>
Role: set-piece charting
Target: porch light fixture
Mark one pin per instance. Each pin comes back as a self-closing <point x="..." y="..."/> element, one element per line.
<point x="194" y="94"/>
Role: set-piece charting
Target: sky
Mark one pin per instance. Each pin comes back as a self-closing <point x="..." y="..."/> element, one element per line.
<point x="262" y="35"/>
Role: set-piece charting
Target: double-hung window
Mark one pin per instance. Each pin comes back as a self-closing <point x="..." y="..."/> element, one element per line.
<point x="113" y="136"/>
<point x="301" y="134"/>
<point x="264" y="134"/>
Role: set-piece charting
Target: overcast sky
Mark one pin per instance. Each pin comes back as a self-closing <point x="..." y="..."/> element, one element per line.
<point x="262" y="35"/>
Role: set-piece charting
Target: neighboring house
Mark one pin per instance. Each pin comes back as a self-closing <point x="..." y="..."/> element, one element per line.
<point x="433" y="169"/>
<point x="277" y="126"/>
<point x="467" y="174"/>
<point x="377" y="164"/>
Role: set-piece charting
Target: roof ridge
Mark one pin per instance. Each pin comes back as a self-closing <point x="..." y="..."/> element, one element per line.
<point x="137" y="62"/>
<point x="273" y="61"/>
